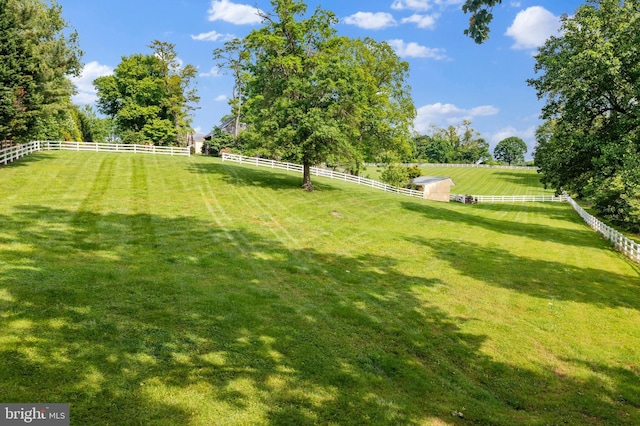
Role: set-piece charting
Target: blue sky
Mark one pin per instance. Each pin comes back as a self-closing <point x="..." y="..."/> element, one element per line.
<point x="452" y="78"/>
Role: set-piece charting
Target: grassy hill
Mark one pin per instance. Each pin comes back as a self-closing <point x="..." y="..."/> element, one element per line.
<point x="483" y="181"/>
<point x="163" y="290"/>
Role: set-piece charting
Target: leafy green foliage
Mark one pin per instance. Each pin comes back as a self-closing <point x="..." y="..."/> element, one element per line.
<point x="481" y="17"/>
<point x="37" y="56"/>
<point x="454" y="144"/>
<point x="394" y="174"/>
<point x="313" y="97"/>
<point x="590" y="81"/>
<point x="218" y="142"/>
<point x="399" y="175"/>
<point x="414" y="171"/>
<point x="92" y="127"/>
<point x="149" y="96"/>
<point x="510" y="150"/>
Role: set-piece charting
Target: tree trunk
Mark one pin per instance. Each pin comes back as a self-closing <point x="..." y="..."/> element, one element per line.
<point x="306" y="178"/>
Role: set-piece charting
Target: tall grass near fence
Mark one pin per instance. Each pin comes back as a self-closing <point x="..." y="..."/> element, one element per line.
<point x="158" y="290"/>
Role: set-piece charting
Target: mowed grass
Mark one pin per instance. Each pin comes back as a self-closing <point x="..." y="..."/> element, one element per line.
<point x="185" y="291"/>
<point x="483" y="181"/>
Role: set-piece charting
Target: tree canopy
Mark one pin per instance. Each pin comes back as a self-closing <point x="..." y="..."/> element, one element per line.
<point x="38" y="53"/>
<point x="149" y="96"/>
<point x="510" y="150"/>
<point x="453" y="144"/>
<point x="590" y="80"/>
<point x="311" y="96"/>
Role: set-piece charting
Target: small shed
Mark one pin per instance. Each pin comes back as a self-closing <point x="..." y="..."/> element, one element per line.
<point x="435" y="188"/>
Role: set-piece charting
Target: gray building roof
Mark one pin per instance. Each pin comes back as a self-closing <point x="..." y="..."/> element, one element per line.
<point x="428" y="180"/>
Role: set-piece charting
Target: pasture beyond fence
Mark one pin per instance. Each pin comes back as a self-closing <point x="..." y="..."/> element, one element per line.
<point x="8" y="155"/>
<point x="319" y="171"/>
<point x="628" y="247"/>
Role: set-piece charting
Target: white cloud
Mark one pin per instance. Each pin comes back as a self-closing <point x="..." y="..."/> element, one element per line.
<point x="516" y="4"/>
<point x="532" y="27"/>
<point x="443" y="115"/>
<point x="84" y="83"/>
<point x="212" y="36"/>
<point x="371" y="21"/>
<point x="213" y="72"/>
<point x="414" y="50"/>
<point x="220" y="98"/>
<point x="528" y="135"/>
<point x="422" y="21"/>
<point x="423" y="5"/>
<point x="411" y="4"/>
<point x="506" y="132"/>
<point x="239" y="14"/>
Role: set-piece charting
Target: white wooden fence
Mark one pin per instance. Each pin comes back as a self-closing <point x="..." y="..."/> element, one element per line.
<point x="15" y="152"/>
<point x="517" y="198"/>
<point x="465" y="165"/>
<point x="318" y="171"/>
<point x="630" y="248"/>
<point x="10" y="154"/>
<point x="115" y="147"/>
<point x="478" y="166"/>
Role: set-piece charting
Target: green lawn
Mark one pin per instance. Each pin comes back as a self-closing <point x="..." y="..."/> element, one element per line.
<point x="185" y="291"/>
<point x="483" y="181"/>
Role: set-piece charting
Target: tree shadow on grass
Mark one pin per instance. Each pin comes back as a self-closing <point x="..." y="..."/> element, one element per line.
<point x="142" y="319"/>
<point x="538" y="278"/>
<point x="519" y="178"/>
<point x="250" y="175"/>
<point x="27" y="159"/>
<point x="552" y="210"/>
<point x="542" y="232"/>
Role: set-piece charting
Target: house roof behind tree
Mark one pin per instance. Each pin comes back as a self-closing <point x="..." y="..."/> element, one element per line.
<point x="229" y="126"/>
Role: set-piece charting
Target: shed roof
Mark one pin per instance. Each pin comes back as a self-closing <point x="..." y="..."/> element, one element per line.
<point x="428" y="180"/>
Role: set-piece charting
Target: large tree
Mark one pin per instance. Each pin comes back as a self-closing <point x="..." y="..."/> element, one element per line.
<point x="38" y="53"/>
<point x="510" y="150"/>
<point x="459" y="143"/>
<point x="149" y="96"/>
<point x="590" y="80"/>
<point x="313" y="97"/>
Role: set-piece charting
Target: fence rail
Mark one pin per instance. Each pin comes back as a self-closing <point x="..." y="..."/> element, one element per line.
<point x="319" y="171"/>
<point x="466" y="165"/>
<point x="15" y="152"/>
<point x="115" y="147"/>
<point x="518" y="198"/>
<point x="478" y="166"/>
<point x="630" y="248"/>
